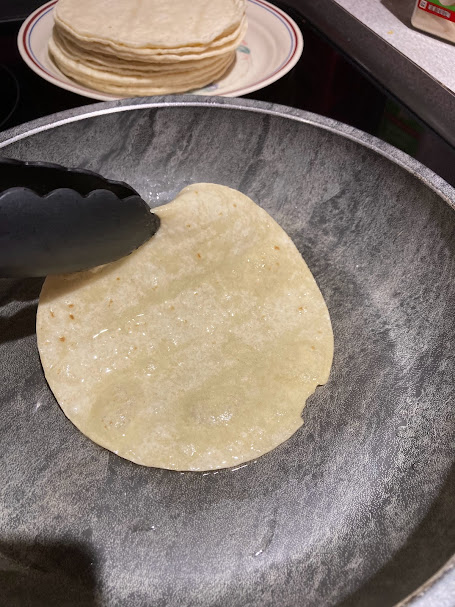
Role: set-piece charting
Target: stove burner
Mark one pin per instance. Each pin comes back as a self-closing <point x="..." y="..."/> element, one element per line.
<point x="10" y="94"/>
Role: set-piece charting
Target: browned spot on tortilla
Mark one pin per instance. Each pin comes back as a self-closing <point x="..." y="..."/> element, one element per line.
<point x="71" y="316"/>
<point x="276" y="247"/>
<point x="62" y="338"/>
<point x="52" y="314"/>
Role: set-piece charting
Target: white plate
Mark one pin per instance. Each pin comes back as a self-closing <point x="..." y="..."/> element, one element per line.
<point x="272" y="46"/>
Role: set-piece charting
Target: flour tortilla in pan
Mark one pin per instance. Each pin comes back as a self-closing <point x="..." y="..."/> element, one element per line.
<point x="197" y="351"/>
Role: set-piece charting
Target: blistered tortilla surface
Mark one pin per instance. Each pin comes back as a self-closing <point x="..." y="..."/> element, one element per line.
<point x="197" y="351"/>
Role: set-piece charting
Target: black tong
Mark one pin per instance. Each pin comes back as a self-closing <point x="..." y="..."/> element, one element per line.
<point x="55" y="220"/>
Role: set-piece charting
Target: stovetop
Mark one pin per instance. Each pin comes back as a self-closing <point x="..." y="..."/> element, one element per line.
<point x="325" y="81"/>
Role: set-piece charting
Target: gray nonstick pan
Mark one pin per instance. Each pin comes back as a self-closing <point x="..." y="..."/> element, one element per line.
<point x="357" y="508"/>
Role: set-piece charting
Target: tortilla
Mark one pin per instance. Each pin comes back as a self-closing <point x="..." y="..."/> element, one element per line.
<point x="119" y="65"/>
<point x="129" y="83"/>
<point x="197" y="351"/>
<point x="150" y="23"/>
<point x="217" y="47"/>
<point x="146" y="47"/>
<point x="116" y="54"/>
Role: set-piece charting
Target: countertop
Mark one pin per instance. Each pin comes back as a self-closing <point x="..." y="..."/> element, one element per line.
<point x="391" y="20"/>
<point x="415" y="67"/>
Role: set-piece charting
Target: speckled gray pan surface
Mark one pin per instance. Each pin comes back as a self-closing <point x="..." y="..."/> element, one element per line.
<point x="356" y="509"/>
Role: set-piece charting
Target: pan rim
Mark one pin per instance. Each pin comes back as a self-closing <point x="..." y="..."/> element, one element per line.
<point x="410" y="164"/>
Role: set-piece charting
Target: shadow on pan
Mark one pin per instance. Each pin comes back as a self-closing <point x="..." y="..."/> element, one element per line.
<point x="37" y="573"/>
<point x="20" y="299"/>
<point x="418" y="560"/>
<point x="40" y="574"/>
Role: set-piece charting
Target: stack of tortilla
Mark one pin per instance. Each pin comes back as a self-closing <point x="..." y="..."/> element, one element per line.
<point x="146" y="47"/>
